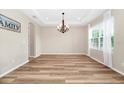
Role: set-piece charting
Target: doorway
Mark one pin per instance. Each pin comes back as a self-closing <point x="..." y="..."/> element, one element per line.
<point x="31" y="41"/>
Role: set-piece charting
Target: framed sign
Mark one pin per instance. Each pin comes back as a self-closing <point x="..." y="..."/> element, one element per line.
<point x="9" y="24"/>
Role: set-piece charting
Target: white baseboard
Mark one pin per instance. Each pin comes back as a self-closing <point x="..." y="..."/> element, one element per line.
<point x="13" y="69"/>
<point x="116" y="70"/>
<point x="63" y="54"/>
<point x="96" y="60"/>
<point x="35" y="56"/>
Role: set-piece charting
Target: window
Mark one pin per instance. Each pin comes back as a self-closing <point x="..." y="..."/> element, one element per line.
<point x="97" y="37"/>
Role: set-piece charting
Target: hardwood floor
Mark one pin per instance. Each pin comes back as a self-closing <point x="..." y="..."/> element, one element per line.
<point x="63" y="69"/>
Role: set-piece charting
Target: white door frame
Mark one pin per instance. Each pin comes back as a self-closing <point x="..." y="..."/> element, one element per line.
<point x="31" y="40"/>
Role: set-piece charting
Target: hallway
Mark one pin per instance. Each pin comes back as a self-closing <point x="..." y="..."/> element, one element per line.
<point x="62" y="69"/>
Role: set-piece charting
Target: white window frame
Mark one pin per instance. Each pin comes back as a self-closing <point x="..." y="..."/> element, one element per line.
<point x="98" y="26"/>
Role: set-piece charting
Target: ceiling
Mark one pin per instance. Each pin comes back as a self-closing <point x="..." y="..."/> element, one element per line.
<point x="52" y="17"/>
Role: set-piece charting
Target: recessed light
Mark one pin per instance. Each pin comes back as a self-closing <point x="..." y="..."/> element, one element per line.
<point x="47" y="18"/>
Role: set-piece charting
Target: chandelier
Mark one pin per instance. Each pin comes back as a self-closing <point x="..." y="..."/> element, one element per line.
<point x="63" y="27"/>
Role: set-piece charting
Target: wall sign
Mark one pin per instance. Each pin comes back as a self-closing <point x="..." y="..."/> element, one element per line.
<point x="9" y="24"/>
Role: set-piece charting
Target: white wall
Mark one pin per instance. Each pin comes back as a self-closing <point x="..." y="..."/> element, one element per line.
<point x="118" y="55"/>
<point x="55" y="42"/>
<point x="14" y="46"/>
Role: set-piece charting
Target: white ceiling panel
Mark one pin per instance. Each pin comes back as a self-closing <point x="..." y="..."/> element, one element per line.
<point x="50" y="17"/>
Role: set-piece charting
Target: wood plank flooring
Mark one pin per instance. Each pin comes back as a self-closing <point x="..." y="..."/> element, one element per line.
<point x="61" y="69"/>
